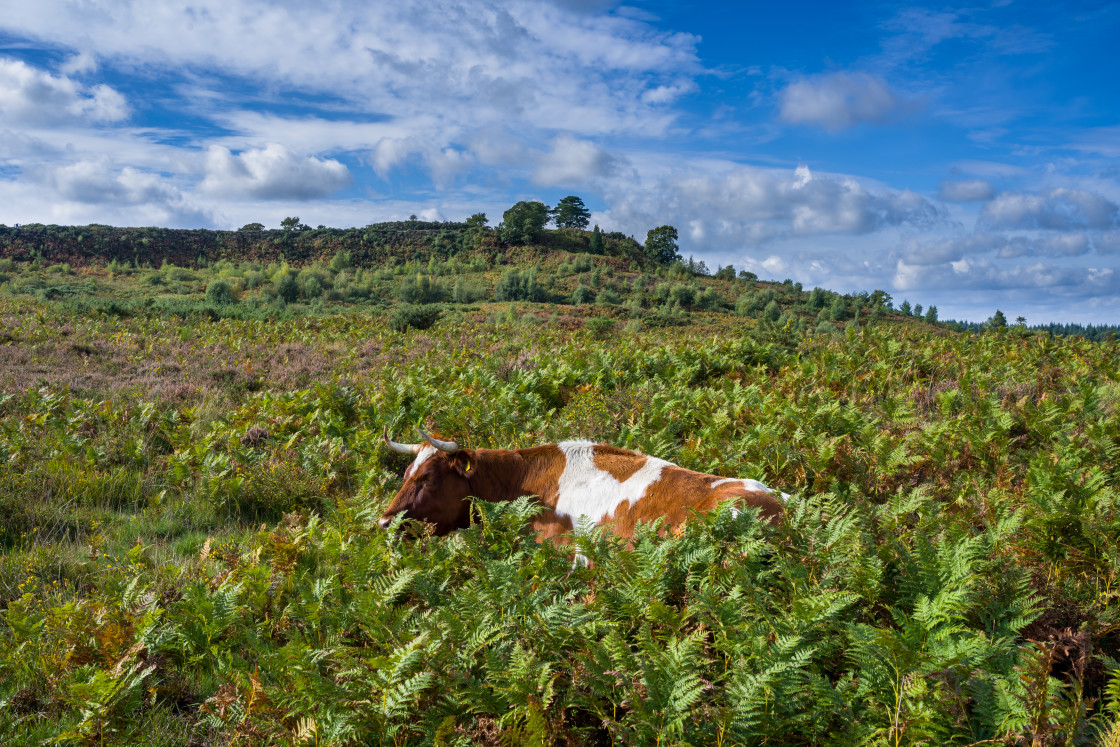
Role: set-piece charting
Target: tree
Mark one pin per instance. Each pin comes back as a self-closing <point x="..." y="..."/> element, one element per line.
<point x="661" y="245"/>
<point x="905" y="308"/>
<point x="880" y="298"/>
<point x="596" y="245"/>
<point x="524" y="222"/>
<point x="931" y="314"/>
<point x="478" y="220"/>
<point x="997" y="320"/>
<point x="570" y="212"/>
<point x="256" y="226"/>
<point x="750" y="277"/>
<point x="292" y="223"/>
<point x="725" y="273"/>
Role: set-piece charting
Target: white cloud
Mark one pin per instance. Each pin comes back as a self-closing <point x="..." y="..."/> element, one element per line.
<point x="1058" y="208"/>
<point x="30" y="96"/>
<point x="732" y="204"/>
<point x="967" y="190"/>
<point x="96" y="182"/>
<point x="272" y="173"/>
<point x="838" y="100"/>
<point x="973" y="275"/>
<point x="668" y="94"/>
<point x="572" y="162"/>
<point x="525" y="60"/>
<point x="950" y="249"/>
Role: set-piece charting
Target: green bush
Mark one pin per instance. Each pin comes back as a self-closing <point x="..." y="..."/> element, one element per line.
<point x="684" y="295"/>
<point x="608" y="297"/>
<point x="599" y="326"/>
<point x="219" y="292"/>
<point x="408" y="316"/>
<point x="516" y="285"/>
<point x="772" y="312"/>
<point x="582" y="295"/>
<point x="287" y="289"/>
<point x="709" y="299"/>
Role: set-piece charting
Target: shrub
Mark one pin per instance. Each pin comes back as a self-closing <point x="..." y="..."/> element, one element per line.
<point x="415" y="317"/>
<point x="582" y="295"/>
<point x="682" y="294"/>
<point x="219" y="292"/>
<point x="340" y="261"/>
<point x="709" y="299"/>
<point x="287" y="289"/>
<point x="772" y="312"/>
<point x="608" y="297"/>
<point x="519" y="286"/>
<point x="466" y="292"/>
<point x="599" y="326"/>
<point x="311" y="288"/>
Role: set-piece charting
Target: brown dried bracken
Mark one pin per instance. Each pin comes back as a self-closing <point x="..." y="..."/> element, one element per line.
<point x="254" y="437"/>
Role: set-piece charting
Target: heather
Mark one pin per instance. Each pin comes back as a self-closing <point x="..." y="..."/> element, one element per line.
<point x="194" y="470"/>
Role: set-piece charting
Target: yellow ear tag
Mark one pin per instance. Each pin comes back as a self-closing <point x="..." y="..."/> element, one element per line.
<point x="468" y="465"/>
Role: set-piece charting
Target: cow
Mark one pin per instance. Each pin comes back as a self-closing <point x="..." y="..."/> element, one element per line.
<point x="574" y="481"/>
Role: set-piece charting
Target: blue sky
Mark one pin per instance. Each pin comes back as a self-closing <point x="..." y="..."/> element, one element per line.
<point x="966" y="156"/>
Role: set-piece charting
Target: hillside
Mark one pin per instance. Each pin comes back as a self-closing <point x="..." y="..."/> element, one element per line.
<point x="193" y="473"/>
<point x="271" y="274"/>
<point x="375" y="243"/>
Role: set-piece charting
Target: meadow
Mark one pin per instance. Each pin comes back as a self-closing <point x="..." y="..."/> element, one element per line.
<point x="193" y="474"/>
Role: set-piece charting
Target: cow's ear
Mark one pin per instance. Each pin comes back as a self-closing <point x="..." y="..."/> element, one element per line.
<point x="463" y="462"/>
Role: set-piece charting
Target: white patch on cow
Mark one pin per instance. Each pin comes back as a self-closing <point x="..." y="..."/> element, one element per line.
<point x="749" y="485"/>
<point x="753" y="485"/>
<point x="586" y="492"/>
<point x="425" y="453"/>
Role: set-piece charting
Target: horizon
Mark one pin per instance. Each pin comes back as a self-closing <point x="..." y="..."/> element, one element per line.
<point x="962" y="157"/>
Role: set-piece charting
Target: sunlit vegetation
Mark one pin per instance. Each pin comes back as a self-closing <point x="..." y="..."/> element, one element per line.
<point x="193" y="472"/>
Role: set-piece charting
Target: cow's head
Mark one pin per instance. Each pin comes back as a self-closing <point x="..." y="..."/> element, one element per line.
<point x="436" y="484"/>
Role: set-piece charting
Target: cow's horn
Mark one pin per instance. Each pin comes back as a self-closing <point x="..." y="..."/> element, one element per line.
<point x="400" y="448"/>
<point x="449" y="446"/>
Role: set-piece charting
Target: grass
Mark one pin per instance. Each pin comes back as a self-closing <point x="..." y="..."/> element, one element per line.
<point x="189" y="551"/>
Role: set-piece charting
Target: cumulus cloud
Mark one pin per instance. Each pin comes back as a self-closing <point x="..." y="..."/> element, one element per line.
<point x="96" y="182"/>
<point x="272" y="173"/>
<point x="967" y="190"/>
<point x="836" y="101"/>
<point x="573" y="161"/>
<point x="1055" y="209"/>
<point x="30" y="96"/>
<point x="956" y="248"/>
<point x="986" y="275"/>
<point x="745" y="204"/>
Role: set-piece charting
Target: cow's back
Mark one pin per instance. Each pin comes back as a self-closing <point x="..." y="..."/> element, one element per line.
<point x="604" y="484"/>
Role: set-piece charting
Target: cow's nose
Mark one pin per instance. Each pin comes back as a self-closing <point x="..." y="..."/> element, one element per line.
<point x="385" y="522"/>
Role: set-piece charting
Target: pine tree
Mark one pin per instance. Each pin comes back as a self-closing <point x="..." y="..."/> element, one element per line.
<point x="570" y="212"/>
<point x="596" y="245"/>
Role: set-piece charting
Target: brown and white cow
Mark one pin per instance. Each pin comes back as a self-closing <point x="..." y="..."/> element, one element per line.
<point x="575" y="481"/>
